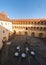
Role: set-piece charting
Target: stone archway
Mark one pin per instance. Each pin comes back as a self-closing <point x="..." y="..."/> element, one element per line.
<point x="40" y="34"/>
<point x="26" y="33"/>
<point x="14" y="32"/>
<point x="33" y="34"/>
<point x="19" y="33"/>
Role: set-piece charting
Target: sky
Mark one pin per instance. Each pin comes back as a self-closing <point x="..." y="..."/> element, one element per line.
<point x="21" y="9"/>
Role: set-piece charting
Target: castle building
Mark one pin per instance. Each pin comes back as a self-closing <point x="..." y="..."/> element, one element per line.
<point x="5" y="26"/>
<point x="31" y="27"/>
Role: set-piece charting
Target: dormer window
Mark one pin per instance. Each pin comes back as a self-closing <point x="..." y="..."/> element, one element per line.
<point x="3" y="31"/>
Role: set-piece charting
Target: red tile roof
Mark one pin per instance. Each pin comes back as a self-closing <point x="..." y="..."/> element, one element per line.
<point x="4" y="17"/>
<point x="27" y="20"/>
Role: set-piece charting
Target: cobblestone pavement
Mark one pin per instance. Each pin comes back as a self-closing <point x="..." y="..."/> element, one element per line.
<point x="37" y="45"/>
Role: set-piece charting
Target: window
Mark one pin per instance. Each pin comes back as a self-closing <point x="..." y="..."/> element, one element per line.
<point x="3" y="31"/>
<point x="40" y="28"/>
<point x="34" y="22"/>
<point x="38" y="22"/>
<point x="5" y="23"/>
<point x="31" y="28"/>
<point x="41" y="22"/>
<point x="34" y="28"/>
<point x="40" y="34"/>
<point x="26" y="28"/>
<point x="1" y="23"/>
<point x="44" y="28"/>
<point x="37" y="27"/>
<point x="31" y="22"/>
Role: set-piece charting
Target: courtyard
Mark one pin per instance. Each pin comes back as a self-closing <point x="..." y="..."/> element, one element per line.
<point x="24" y="50"/>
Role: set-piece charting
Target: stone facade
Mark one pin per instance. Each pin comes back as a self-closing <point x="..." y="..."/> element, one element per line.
<point x="31" y="27"/>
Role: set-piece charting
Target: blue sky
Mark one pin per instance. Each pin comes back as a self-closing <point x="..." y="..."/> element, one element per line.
<point x="20" y="9"/>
